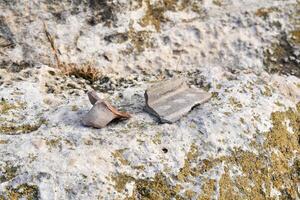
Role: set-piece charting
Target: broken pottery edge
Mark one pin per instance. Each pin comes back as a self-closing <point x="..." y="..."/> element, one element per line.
<point x="152" y="112"/>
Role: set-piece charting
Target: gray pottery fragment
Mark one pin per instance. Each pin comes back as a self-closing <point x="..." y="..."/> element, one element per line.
<point x="170" y="100"/>
<point x="101" y="113"/>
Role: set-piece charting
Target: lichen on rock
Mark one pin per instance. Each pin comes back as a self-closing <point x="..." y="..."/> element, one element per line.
<point x="27" y="191"/>
<point x="269" y="170"/>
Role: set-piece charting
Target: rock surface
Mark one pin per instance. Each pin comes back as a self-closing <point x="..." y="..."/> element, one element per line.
<point x="171" y="99"/>
<point x="243" y="144"/>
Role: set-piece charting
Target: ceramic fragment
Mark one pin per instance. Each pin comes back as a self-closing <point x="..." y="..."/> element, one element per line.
<point x="170" y="100"/>
<point x="101" y="113"/>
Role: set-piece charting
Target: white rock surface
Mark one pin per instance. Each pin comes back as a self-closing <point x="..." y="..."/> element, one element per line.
<point x="220" y="47"/>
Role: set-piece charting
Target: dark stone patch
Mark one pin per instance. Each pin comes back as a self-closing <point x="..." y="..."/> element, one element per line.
<point x="60" y="16"/>
<point x="116" y="38"/>
<point x="283" y="57"/>
<point x="62" y="8"/>
<point x="165" y="150"/>
<point x="6" y="36"/>
<point x="9" y="3"/>
<point x="17" y="67"/>
<point x="14" y="66"/>
<point x="103" y="11"/>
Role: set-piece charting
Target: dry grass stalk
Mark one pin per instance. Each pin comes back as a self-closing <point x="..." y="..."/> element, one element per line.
<point x="86" y="71"/>
<point x="52" y="43"/>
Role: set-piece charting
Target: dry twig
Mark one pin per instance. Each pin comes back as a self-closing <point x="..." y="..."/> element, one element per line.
<point x="52" y="43"/>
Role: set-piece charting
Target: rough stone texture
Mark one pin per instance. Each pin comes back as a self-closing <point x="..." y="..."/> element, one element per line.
<point x="171" y="99"/>
<point x="243" y="144"/>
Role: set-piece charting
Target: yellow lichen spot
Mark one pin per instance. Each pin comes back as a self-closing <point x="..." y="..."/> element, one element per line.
<point x="208" y="189"/>
<point x="139" y="39"/>
<point x="218" y="2"/>
<point x="121" y="180"/>
<point x="53" y="143"/>
<point x="214" y="95"/>
<point x="296" y="36"/>
<point x="155" y="13"/>
<point x="275" y="165"/>
<point x="139" y="167"/>
<point x="193" y="125"/>
<point x="227" y="113"/>
<point x="86" y="142"/>
<point x="235" y="103"/>
<point x="279" y="104"/>
<point x="242" y="120"/>
<point x="5" y="107"/>
<point x="13" y="129"/>
<point x="189" y="194"/>
<point x="24" y="191"/>
<point x="187" y="170"/>
<point x="74" y="108"/>
<point x="264" y="12"/>
<point x="118" y="154"/>
<point x="3" y="141"/>
<point x="271" y="166"/>
<point x="279" y="136"/>
<point x="157" y="188"/>
<point x="267" y="91"/>
<point x="157" y="138"/>
<point x="219" y="86"/>
<point x="227" y="191"/>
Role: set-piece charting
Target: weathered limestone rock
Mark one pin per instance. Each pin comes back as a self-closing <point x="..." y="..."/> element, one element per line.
<point x="101" y="113"/>
<point x="248" y="52"/>
<point x="171" y="99"/>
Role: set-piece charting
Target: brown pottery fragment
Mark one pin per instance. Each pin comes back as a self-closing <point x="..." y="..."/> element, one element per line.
<point x="101" y="113"/>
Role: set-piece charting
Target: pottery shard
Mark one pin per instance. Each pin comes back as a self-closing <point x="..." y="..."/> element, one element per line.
<point x="170" y="100"/>
<point x="101" y="113"/>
